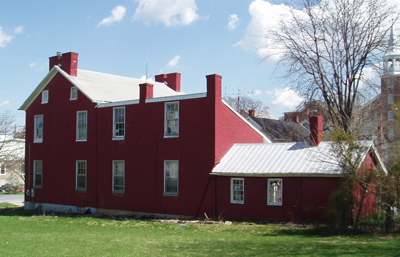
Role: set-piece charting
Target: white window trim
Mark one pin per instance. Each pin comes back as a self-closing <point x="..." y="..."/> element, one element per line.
<point x="166" y="135"/>
<point x="113" y="176"/>
<point x="34" y="174"/>
<point x="76" y="168"/>
<point x="236" y="201"/>
<point x="35" y="139"/>
<point x="3" y="166"/>
<point x="114" y="123"/>
<point x="275" y="203"/>
<point x="71" y="97"/>
<point x="165" y="179"/>
<point x="77" y="127"/>
<point x="390" y="115"/>
<point x="45" y="96"/>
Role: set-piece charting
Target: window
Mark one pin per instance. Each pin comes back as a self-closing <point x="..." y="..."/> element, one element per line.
<point x="390" y="115"/>
<point x="45" y="96"/>
<point x="390" y="99"/>
<point x="172" y="119"/>
<point x="119" y="123"/>
<point x="2" y="169"/>
<point x="171" y="175"/>
<point x="390" y="82"/>
<point x="237" y="190"/>
<point x="118" y="176"/>
<point x="74" y="93"/>
<point x="22" y="168"/>
<point x="81" y="126"/>
<point x="274" y="191"/>
<point x="37" y="173"/>
<point x="81" y="175"/>
<point x="38" y="133"/>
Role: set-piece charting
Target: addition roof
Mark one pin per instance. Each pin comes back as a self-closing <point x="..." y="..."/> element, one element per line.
<point x="101" y="87"/>
<point x="286" y="159"/>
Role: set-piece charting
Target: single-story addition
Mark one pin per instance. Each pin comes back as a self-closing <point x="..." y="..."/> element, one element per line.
<point x="284" y="181"/>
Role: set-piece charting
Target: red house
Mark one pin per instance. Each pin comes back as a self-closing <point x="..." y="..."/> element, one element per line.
<point x="110" y="143"/>
<point x="104" y="142"/>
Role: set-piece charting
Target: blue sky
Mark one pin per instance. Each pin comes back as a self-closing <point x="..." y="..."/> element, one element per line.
<point x="195" y="38"/>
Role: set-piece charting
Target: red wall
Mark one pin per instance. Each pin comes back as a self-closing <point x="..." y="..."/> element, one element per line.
<point x="207" y="130"/>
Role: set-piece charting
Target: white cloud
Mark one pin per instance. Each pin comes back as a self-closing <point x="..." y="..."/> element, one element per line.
<point x="148" y="79"/>
<point x="117" y="14"/>
<point x="4" y="38"/>
<point x="257" y="92"/>
<point x="174" y="62"/>
<point x="233" y="21"/>
<point x="5" y="103"/>
<point x="169" y="12"/>
<point x="37" y="67"/>
<point x="19" y="30"/>
<point x="287" y="97"/>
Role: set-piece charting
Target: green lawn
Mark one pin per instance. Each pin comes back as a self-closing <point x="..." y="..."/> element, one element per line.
<point x="26" y="234"/>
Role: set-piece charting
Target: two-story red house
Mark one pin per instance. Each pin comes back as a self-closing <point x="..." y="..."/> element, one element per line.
<point x="104" y="142"/>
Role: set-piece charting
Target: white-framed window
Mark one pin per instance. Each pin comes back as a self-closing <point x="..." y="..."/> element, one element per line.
<point x="119" y="123"/>
<point x="2" y="169"/>
<point x="45" y="96"/>
<point x="275" y="191"/>
<point x="171" y="119"/>
<point x="118" y="176"/>
<point x="390" y="82"/>
<point x="171" y="177"/>
<point x="81" y="126"/>
<point x="23" y="169"/>
<point x="237" y="190"/>
<point x="74" y="93"/>
<point x="81" y="175"/>
<point x="37" y="173"/>
<point x="38" y="133"/>
<point x="390" y="115"/>
<point x="390" y="99"/>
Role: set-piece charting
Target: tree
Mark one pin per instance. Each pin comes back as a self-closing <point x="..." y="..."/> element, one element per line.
<point x="244" y="103"/>
<point x="326" y="48"/>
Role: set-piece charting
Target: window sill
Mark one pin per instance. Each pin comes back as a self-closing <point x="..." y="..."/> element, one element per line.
<point x="81" y="140"/>
<point x="274" y="204"/>
<point x="37" y="141"/>
<point x="72" y="99"/>
<point x="118" y="138"/>
<point x="80" y="190"/>
<point x="171" y="194"/>
<point x="118" y="192"/>
<point x="171" y="136"/>
<point x="237" y="202"/>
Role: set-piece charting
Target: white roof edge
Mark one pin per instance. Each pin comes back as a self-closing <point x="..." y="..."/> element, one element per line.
<point x="266" y="139"/>
<point x="273" y="175"/>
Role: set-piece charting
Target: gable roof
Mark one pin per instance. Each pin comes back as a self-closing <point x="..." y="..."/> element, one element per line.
<point x="285" y="159"/>
<point x="101" y="87"/>
<point x="284" y="131"/>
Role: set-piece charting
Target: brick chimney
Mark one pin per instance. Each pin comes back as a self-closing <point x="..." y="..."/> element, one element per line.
<point x="252" y="113"/>
<point x="67" y="61"/>
<point x="316" y="130"/>
<point x="173" y="80"/>
<point x="146" y="92"/>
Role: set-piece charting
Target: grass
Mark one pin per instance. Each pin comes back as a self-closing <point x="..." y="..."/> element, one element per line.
<point x="28" y="234"/>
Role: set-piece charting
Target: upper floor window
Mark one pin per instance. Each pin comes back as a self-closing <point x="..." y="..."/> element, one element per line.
<point x="45" y="96"/>
<point x="38" y="133"/>
<point x="37" y="171"/>
<point x="118" y="176"/>
<point x="171" y="175"/>
<point x="237" y="190"/>
<point x="74" y="93"/>
<point x="119" y="123"/>
<point x="172" y="119"/>
<point x="2" y="169"/>
<point x="81" y="126"/>
<point x="390" y="99"/>
<point x="390" y="115"/>
<point x="390" y="82"/>
<point x="81" y="175"/>
<point x="274" y="191"/>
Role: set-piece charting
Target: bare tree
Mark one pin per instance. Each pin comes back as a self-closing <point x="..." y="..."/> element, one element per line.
<point x="326" y="47"/>
<point x="244" y="103"/>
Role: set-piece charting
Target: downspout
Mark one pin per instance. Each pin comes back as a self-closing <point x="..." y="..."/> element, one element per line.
<point x="95" y="158"/>
<point x="301" y="199"/>
<point x="202" y="197"/>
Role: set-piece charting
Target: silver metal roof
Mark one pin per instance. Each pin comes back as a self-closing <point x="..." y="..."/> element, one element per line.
<point x="281" y="159"/>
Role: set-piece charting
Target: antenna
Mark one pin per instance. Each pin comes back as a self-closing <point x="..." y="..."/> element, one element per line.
<point x="239" y="92"/>
<point x="147" y="66"/>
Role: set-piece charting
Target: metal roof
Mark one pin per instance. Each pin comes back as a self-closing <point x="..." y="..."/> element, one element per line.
<point x="285" y="159"/>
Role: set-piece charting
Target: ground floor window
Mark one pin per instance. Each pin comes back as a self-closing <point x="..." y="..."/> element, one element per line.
<point x="118" y="176"/>
<point x="171" y="175"/>
<point x="2" y="169"/>
<point x="38" y="175"/>
<point x="237" y="190"/>
<point x="275" y="191"/>
<point x="81" y="175"/>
